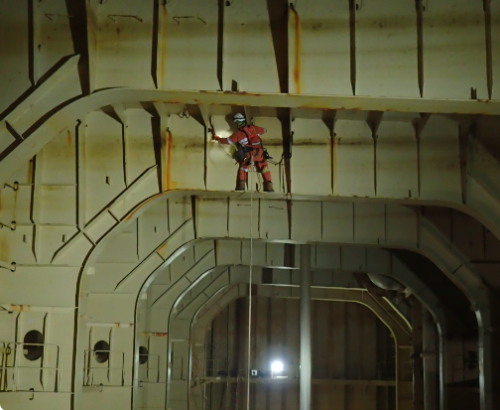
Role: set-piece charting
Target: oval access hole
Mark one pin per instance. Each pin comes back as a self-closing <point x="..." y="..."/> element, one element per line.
<point x="33" y="345"/>
<point x="143" y="355"/>
<point x="101" y="351"/>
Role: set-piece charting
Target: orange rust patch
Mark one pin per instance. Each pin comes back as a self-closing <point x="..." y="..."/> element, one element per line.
<point x="161" y="334"/>
<point x="296" y="68"/>
<point x="162" y="250"/>
<point x="129" y="216"/>
<point x="20" y="308"/>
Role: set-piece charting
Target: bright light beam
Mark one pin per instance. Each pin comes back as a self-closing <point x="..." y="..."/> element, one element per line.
<point x="277" y="366"/>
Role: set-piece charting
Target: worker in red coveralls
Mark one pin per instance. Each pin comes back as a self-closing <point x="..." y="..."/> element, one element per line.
<point x="249" y="144"/>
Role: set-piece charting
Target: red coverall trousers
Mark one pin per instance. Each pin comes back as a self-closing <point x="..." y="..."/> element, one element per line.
<point x="260" y="163"/>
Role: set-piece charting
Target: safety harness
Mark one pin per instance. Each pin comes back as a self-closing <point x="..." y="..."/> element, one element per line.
<point x="253" y="142"/>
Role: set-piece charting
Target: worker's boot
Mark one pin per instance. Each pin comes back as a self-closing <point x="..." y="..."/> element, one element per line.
<point x="268" y="186"/>
<point x="240" y="185"/>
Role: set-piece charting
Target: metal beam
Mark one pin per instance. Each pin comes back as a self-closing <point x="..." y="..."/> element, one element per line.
<point x="305" y="328"/>
<point x="291" y="380"/>
<point x="51" y="125"/>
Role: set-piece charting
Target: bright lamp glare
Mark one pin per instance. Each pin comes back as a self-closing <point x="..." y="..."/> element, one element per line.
<point x="277" y="366"/>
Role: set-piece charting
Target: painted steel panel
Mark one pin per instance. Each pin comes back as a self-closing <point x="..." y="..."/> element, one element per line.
<point x="59" y="154"/>
<point x="108" y="275"/>
<point x="307" y="221"/>
<point x="386" y="49"/>
<point x="73" y="252"/>
<point x="57" y="205"/>
<point x="338" y="222"/>
<point x="181" y="265"/>
<point x="243" y="218"/>
<point x="201" y="267"/>
<point x="440" y="160"/>
<point x="275" y="254"/>
<point x="103" y="162"/>
<point x="327" y="257"/>
<point x="111" y="308"/>
<point x="273" y="220"/>
<point x="248" y="48"/>
<point x="39" y="293"/>
<point x="21" y="246"/>
<point x="228" y="252"/>
<point x="319" y="54"/>
<point x="49" y="240"/>
<point x="153" y="227"/>
<point x="134" y="280"/>
<point x="125" y="39"/>
<point x="139" y="144"/>
<point x="14" y="43"/>
<point x="185" y="145"/>
<point x="179" y="211"/>
<point x="123" y="248"/>
<point x="202" y="248"/>
<point x="108" y="398"/>
<point x="369" y="223"/>
<point x="454" y="49"/>
<point x="100" y="226"/>
<point x="16" y="205"/>
<point x="54" y="37"/>
<point x="212" y="217"/>
<point x="188" y="45"/>
<point x="353" y="172"/>
<point x="55" y="401"/>
<point x="353" y="258"/>
<point x="28" y="371"/>
<point x="311" y="165"/>
<point x="495" y="36"/>
<point x="397" y="160"/>
<point x="259" y="253"/>
<point x="221" y="163"/>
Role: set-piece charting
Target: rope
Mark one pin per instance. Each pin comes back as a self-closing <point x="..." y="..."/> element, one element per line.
<point x="250" y="287"/>
<point x="224" y="151"/>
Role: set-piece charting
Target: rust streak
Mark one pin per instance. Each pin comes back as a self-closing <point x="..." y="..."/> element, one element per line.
<point x="161" y="334"/>
<point x="129" y="216"/>
<point x="296" y="68"/>
<point x="19" y="308"/>
<point x="69" y="137"/>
